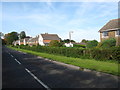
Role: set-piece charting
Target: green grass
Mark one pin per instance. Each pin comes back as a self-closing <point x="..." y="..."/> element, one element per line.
<point x="102" y="66"/>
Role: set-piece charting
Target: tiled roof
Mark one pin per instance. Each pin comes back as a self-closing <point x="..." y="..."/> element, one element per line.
<point x="26" y="39"/>
<point x="111" y="25"/>
<point x="33" y="39"/>
<point x="50" y="37"/>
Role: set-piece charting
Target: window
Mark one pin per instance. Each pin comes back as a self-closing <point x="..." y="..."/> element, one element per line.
<point x="118" y="32"/>
<point x="105" y="33"/>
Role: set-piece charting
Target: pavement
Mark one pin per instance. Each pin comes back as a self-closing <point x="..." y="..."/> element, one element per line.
<point x="22" y="70"/>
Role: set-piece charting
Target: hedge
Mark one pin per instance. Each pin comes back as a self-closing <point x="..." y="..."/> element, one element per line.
<point x="93" y="53"/>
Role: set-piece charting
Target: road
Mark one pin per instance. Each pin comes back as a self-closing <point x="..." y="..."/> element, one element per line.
<point x="21" y="70"/>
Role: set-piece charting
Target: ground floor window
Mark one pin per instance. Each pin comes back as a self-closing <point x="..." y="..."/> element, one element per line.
<point x="118" y="32"/>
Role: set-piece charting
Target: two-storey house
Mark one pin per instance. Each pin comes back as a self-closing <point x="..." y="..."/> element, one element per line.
<point x="111" y="30"/>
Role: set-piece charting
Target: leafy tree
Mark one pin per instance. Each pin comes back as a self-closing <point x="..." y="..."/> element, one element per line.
<point x="10" y="37"/>
<point x="84" y="41"/>
<point x="54" y="43"/>
<point x="91" y="44"/>
<point x="67" y="41"/>
<point x="22" y="35"/>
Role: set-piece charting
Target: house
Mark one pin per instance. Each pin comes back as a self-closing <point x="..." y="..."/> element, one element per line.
<point x="42" y="39"/>
<point x="69" y="44"/>
<point x="21" y="41"/>
<point x="45" y="39"/>
<point x="33" y="41"/>
<point x="111" y="30"/>
<point x="25" y="40"/>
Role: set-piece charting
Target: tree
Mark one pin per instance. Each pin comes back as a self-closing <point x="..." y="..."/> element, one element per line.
<point x="67" y="41"/>
<point x="54" y="43"/>
<point x="22" y="35"/>
<point x="91" y="44"/>
<point x="84" y="41"/>
<point x="10" y="37"/>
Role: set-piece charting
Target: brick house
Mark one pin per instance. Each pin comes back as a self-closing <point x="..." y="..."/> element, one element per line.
<point x="44" y="39"/>
<point x="111" y="30"/>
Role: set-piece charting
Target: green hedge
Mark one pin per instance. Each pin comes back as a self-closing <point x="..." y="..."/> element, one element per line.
<point x="94" y="53"/>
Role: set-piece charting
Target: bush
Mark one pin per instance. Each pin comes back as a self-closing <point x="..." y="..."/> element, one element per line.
<point x="78" y="45"/>
<point x="108" y="43"/>
<point x="88" y="53"/>
<point x="92" y="44"/>
<point x="54" y="43"/>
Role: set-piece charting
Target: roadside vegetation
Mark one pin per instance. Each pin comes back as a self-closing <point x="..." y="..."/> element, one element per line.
<point x="107" y="66"/>
<point x="101" y="54"/>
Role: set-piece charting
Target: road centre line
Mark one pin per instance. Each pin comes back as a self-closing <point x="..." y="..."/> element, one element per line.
<point x="39" y="81"/>
<point x="17" y="61"/>
<point x="11" y="55"/>
<point x="15" y="58"/>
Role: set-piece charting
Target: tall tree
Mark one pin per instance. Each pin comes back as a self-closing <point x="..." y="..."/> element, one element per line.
<point x="22" y="35"/>
<point x="10" y="37"/>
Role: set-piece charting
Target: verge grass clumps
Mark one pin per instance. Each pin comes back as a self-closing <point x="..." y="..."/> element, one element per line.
<point x="102" y="66"/>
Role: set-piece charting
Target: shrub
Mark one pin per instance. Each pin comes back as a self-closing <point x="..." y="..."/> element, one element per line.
<point x="78" y="45"/>
<point x="92" y="53"/>
<point x="54" y="43"/>
<point x="108" y="43"/>
<point x="91" y="44"/>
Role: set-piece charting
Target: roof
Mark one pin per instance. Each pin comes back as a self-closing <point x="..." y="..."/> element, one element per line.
<point x="50" y="36"/>
<point x="81" y="43"/>
<point x="111" y="25"/>
<point x="21" y="40"/>
<point x="33" y="39"/>
<point x="26" y="39"/>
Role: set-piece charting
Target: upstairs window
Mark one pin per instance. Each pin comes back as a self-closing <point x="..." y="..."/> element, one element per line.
<point x="105" y="33"/>
<point x="118" y="32"/>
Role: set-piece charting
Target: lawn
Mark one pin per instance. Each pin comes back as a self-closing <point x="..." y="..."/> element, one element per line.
<point x="102" y="66"/>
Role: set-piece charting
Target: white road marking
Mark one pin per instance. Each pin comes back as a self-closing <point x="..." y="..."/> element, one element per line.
<point x="39" y="81"/>
<point x="11" y="55"/>
<point x="17" y="61"/>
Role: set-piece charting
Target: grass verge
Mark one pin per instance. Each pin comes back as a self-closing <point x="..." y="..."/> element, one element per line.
<point x="102" y="66"/>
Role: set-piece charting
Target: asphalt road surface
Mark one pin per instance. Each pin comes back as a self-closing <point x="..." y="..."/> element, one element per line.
<point x="21" y="70"/>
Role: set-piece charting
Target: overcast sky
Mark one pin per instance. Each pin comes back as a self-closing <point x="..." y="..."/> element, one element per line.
<point x="83" y="18"/>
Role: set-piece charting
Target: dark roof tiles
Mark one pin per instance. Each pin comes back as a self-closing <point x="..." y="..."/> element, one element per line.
<point x="50" y="37"/>
<point x="111" y="25"/>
